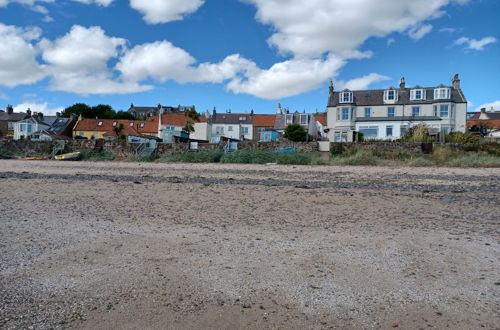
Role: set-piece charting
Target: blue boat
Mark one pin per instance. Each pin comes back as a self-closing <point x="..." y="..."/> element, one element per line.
<point x="286" y="150"/>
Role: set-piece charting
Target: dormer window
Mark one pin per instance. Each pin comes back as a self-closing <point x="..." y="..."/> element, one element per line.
<point x="99" y="123"/>
<point x="141" y="125"/>
<point x="131" y="124"/>
<point x="243" y="118"/>
<point x="114" y="123"/>
<point x="345" y="97"/>
<point x="390" y="95"/>
<point x="417" y="94"/>
<point x="441" y="93"/>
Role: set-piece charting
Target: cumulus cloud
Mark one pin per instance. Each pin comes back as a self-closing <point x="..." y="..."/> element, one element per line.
<point x="161" y="11"/>
<point x="495" y="105"/>
<point x="18" y="63"/>
<point x="78" y="62"/>
<point x="103" y="3"/>
<point x="362" y="82"/>
<point x="447" y="30"/>
<point x="420" y="32"/>
<point x="341" y="26"/>
<point x="475" y="44"/>
<point x="38" y="107"/>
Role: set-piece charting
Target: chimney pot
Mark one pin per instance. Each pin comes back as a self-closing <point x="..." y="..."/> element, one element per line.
<point x="402" y="84"/>
<point x="456" y="82"/>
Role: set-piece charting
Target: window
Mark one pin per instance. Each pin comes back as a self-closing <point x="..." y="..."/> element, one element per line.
<point x="340" y="136"/>
<point x="289" y="119"/>
<point x="230" y="128"/>
<point x="417" y="94"/>
<point x="131" y="124"/>
<point x="82" y="134"/>
<point x="391" y="111"/>
<point x="415" y="111"/>
<point x="345" y="97"/>
<point x="99" y="123"/>
<point x="388" y="131"/>
<point x="95" y="135"/>
<point x="243" y="118"/>
<point x="304" y="119"/>
<point x="21" y="127"/>
<point x="345" y="113"/>
<point x="10" y="125"/>
<point x="441" y="93"/>
<point x="435" y="111"/>
<point x="141" y="125"/>
<point x="219" y="130"/>
<point x="114" y="124"/>
<point x="243" y="130"/>
<point x="369" y="132"/>
<point x="443" y="110"/>
<point x="368" y="112"/>
<point x="390" y="95"/>
<point x="29" y="128"/>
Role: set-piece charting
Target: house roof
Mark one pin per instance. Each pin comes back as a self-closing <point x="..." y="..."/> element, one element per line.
<point x="488" y="123"/>
<point x="321" y="119"/>
<point x="264" y="120"/>
<point x="231" y="118"/>
<point x="493" y="114"/>
<point x="130" y="127"/>
<point x="15" y="116"/>
<point x="375" y="97"/>
<point x="179" y="119"/>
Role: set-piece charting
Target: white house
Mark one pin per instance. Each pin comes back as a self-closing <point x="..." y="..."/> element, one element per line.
<point x="238" y="126"/>
<point x="389" y="113"/>
<point x="173" y="124"/>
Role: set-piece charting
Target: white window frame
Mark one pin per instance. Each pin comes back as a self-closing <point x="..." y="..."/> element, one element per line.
<point x="99" y="123"/>
<point x="345" y="97"/>
<point x="219" y="130"/>
<point x="387" y="93"/>
<point x="413" y="112"/>
<point x="306" y="121"/>
<point x="413" y="94"/>
<point x="243" y="130"/>
<point x="368" y="111"/>
<point x="441" y="106"/>
<point x="243" y="118"/>
<point x="289" y="119"/>
<point x="442" y="93"/>
<point x="393" y="115"/>
<point x="342" y="113"/>
<point x="141" y="125"/>
<point x="131" y="124"/>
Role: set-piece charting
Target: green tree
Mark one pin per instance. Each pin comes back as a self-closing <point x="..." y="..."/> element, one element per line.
<point x="295" y="132"/>
<point x="188" y="128"/>
<point x="118" y="129"/>
<point x="78" y="109"/>
<point x="191" y="113"/>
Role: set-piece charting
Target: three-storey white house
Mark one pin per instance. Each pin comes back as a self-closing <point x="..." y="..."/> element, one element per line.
<point x="389" y="113"/>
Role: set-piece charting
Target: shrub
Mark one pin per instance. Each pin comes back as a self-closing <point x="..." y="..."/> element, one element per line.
<point x="294" y="158"/>
<point x="295" y="132"/>
<point x="459" y="137"/>
<point x="420" y="161"/>
<point x="337" y="149"/>
<point x="418" y="133"/>
<point x="357" y="157"/>
<point x="441" y="155"/>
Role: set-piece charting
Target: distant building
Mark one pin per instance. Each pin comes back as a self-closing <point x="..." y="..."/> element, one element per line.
<point x="237" y="126"/>
<point x="284" y="118"/>
<point x="263" y="128"/>
<point x="105" y="128"/>
<point x="486" y="123"/>
<point x="44" y="128"/>
<point x="173" y="124"/>
<point x="7" y="120"/>
<point x="142" y="112"/>
<point x="389" y="113"/>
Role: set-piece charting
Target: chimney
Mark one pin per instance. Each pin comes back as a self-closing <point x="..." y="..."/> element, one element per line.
<point x="58" y="114"/>
<point x="228" y="111"/>
<point x="331" y="87"/>
<point x="28" y="112"/>
<point x="456" y="82"/>
<point x="402" y="84"/>
<point x="483" y="110"/>
<point x="251" y="112"/>
<point x="279" y="111"/>
<point x="40" y="115"/>
<point x="214" y="111"/>
<point x="10" y="109"/>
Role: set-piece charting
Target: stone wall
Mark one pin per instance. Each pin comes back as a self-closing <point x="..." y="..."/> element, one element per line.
<point x="283" y="144"/>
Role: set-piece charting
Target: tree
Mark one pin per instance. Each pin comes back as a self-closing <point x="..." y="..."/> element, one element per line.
<point x="188" y="128"/>
<point x="295" y="132"/>
<point x="118" y="129"/>
<point x="78" y="109"/>
<point x="191" y="113"/>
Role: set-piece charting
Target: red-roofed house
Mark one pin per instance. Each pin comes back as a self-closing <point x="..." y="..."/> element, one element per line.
<point x="321" y="124"/>
<point x="173" y="124"/>
<point x="262" y="123"/>
<point x="105" y="128"/>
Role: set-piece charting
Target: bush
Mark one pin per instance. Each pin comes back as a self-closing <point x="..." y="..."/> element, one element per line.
<point x="295" y="132"/>
<point x="441" y="155"/>
<point x="249" y="157"/>
<point x="357" y="157"/>
<point x="337" y="149"/>
<point x="459" y="137"/>
<point x="418" y="133"/>
<point x="294" y="158"/>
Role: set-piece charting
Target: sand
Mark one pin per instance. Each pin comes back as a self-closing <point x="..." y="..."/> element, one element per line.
<point x="210" y="246"/>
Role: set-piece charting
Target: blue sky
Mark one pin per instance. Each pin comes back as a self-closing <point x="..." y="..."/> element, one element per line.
<point x="240" y="54"/>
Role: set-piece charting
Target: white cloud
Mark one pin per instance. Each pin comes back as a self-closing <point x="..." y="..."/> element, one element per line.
<point x="420" y="32"/>
<point x="390" y="41"/>
<point x="38" y="107"/>
<point x="362" y="82"/>
<point x="495" y="105"/>
<point x="162" y="11"/>
<point x="78" y="62"/>
<point x="18" y="63"/>
<point x="311" y="28"/>
<point x="475" y="44"/>
<point x="447" y="30"/>
<point x="104" y="3"/>
<point x="286" y="78"/>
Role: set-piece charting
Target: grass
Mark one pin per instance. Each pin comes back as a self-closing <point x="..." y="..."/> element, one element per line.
<point x="209" y="156"/>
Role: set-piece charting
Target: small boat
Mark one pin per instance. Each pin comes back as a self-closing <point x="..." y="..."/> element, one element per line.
<point x="6" y="157"/>
<point x="286" y="150"/>
<point x="68" y="156"/>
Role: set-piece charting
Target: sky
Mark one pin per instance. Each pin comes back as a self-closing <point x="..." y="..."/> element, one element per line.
<point x="241" y="54"/>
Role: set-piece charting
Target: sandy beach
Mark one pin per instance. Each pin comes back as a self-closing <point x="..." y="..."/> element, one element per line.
<point x="116" y="245"/>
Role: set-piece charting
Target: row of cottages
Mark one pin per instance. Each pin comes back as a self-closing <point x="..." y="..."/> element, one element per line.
<point x="388" y="113"/>
<point x="133" y="130"/>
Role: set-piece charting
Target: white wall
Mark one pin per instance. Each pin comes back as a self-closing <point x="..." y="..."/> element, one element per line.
<point x="234" y="133"/>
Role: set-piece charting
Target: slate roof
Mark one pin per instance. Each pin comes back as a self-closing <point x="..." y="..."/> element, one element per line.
<point x="374" y="97"/>
<point x="493" y="115"/>
<point x="179" y="119"/>
<point x="231" y="118"/>
<point x="15" y="116"/>
<point x="264" y="120"/>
